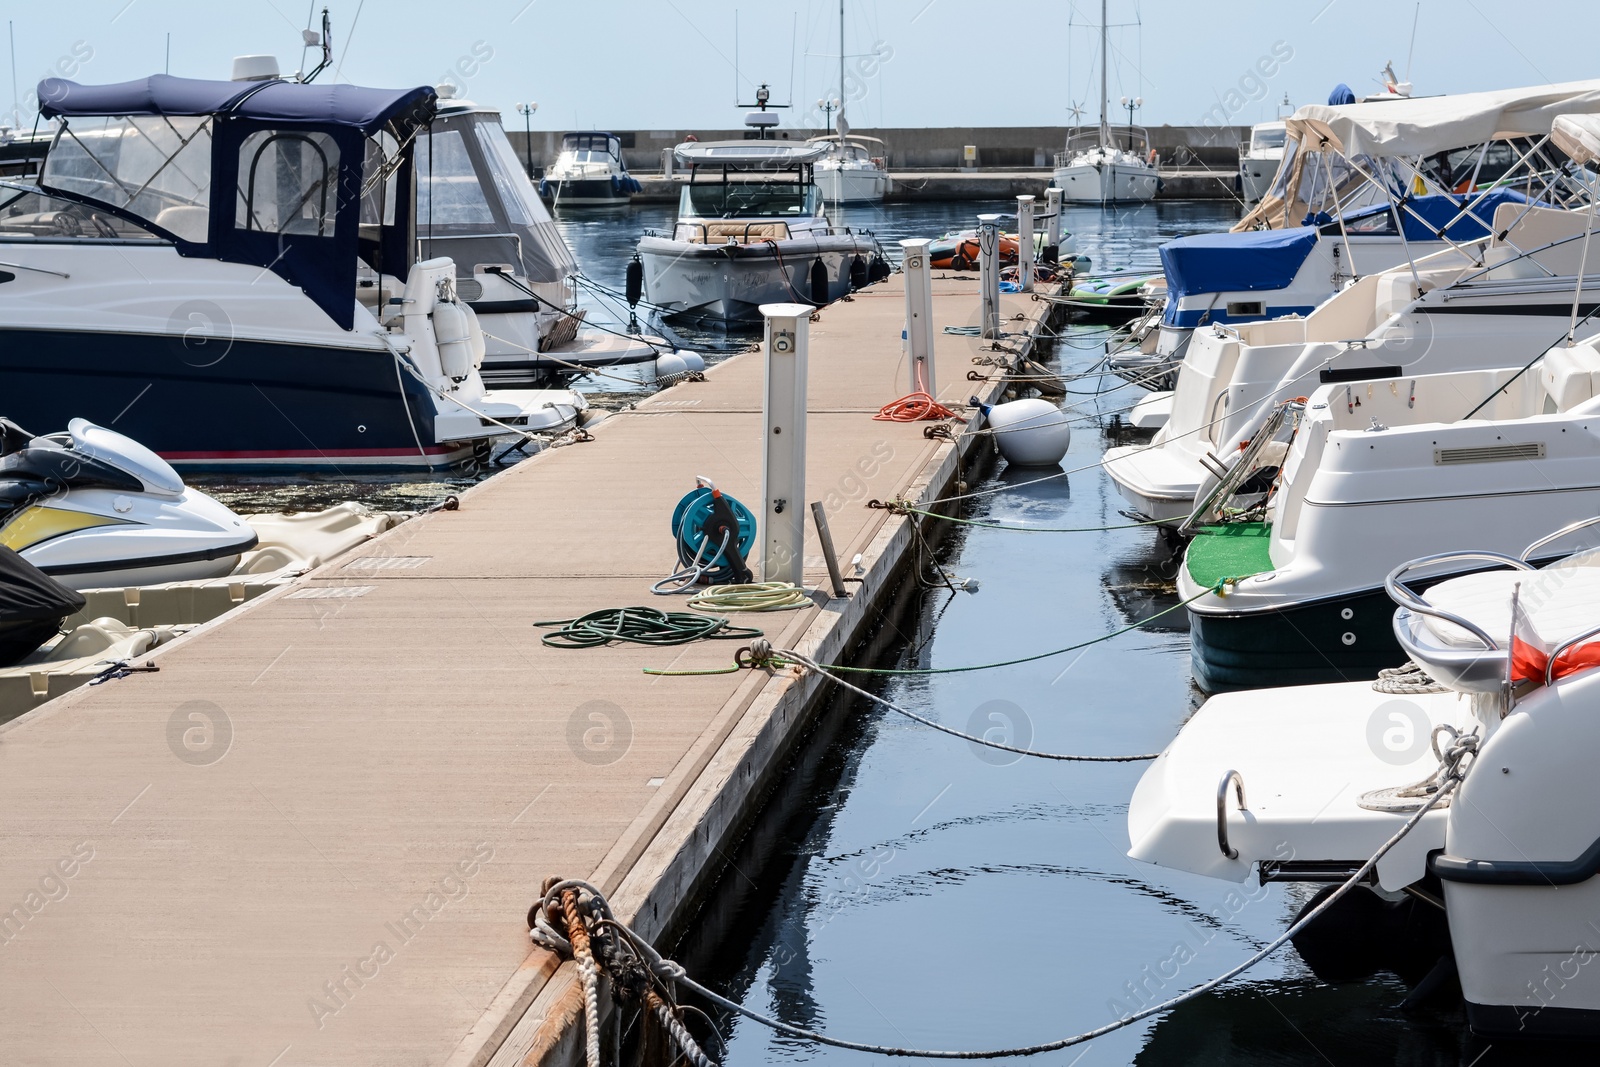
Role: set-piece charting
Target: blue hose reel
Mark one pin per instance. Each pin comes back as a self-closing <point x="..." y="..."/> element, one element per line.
<point x="714" y="533"/>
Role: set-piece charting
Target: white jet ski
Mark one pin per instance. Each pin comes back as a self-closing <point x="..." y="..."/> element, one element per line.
<point x="92" y="508"/>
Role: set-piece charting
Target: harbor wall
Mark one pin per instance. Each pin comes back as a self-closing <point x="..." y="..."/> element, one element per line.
<point x="921" y="148"/>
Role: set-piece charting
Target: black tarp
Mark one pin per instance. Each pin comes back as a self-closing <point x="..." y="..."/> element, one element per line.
<point x="32" y="605"/>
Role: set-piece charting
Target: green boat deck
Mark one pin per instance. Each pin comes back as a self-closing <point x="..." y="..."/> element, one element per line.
<point x="1235" y="550"/>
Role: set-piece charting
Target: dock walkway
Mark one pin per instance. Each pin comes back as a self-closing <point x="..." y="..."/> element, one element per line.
<point x="313" y="836"/>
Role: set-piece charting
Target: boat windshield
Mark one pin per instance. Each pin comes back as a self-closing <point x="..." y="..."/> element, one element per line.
<point x="157" y="167"/>
<point x="1271" y="137"/>
<point x="717" y="200"/>
<point x="30" y="214"/>
<point x="590" y="147"/>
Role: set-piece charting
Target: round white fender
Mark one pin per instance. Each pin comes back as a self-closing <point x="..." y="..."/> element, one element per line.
<point x="1030" y="433"/>
<point x="453" y="333"/>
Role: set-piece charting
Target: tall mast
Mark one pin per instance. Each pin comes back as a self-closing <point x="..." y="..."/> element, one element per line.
<point x="1105" y="128"/>
<point x="841" y="61"/>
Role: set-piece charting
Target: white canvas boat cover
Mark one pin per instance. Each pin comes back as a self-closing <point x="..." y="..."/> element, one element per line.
<point x="1414" y="127"/>
<point x="1578" y="136"/>
<point x="768" y="154"/>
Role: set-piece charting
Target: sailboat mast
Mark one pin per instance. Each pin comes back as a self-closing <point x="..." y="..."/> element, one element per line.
<point x="1105" y="97"/>
<point x="841" y="60"/>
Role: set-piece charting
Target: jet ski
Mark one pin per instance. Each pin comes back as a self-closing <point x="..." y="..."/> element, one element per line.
<point x="92" y="508"/>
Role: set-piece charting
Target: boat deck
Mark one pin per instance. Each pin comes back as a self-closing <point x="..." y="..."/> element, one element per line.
<point x="312" y="836"/>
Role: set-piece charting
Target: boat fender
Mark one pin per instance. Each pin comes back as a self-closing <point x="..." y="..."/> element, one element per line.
<point x="671" y="368"/>
<point x="819" y="282"/>
<point x="1029" y="433"/>
<point x="453" y="334"/>
<point x="544" y="188"/>
<point x="476" y="345"/>
<point x="1050" y="254"/>
<point x="858" y="273"/>
<point x="1362" y="934"/>
<point x="691" y="359"/>
<point x="616" y="184"/>
<point x="880" y="270"/>
<point x="635" y="284"/>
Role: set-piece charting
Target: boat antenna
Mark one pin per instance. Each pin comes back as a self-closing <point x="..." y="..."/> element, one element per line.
<point x="839" y="125"/>
<point x="16" y="101"/>
<point x="794" y="47"/>
<point x="735" y="57"/>
<point x="312" y="38"/>
<point x="1412" y="47"/>
<point x="1105" y="129"/>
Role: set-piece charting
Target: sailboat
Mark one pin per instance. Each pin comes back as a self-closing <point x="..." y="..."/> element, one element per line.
<point x="1106" y="165"/>
<point x="855" y="169"/>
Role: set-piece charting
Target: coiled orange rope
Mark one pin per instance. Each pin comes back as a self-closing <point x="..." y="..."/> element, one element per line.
<point x="915" y="407"/>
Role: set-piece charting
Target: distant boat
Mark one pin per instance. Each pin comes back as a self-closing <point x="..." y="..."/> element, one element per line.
<point x="1259" y="158"/>
<point x="1107" y="165"/>
<point x="854" y="170"/>
<point x="589" y="172"/>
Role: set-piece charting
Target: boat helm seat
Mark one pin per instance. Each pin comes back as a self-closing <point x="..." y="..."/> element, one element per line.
<point x="1571" y="376"/>
<point x="1562" y="601"/>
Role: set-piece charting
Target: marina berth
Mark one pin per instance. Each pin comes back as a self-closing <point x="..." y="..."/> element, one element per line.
<point x="232" y="331"/>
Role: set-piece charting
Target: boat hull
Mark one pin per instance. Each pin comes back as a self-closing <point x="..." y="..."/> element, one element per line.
<point x="847" y="186"/>
<point x="1342" y="639"/>
<point x="1106" y="183"/>
<point x="586" y="192"/>
<point x="249" y="404"/>
<point x="728" y="283"/>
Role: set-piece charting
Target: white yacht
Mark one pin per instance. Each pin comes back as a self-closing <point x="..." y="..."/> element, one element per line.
<point x="1308" y="784"/>
<point x="289" y="324"/>
<point x="854" y="170"/>
<point x="1259" y="159"/>
<point x="589" y="172"/>
<point x="1108" y="165"/>
<point x="1482" y="305"/>
<point x="752" y="232"/>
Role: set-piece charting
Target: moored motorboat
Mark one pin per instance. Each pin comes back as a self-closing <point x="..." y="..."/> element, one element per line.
<point x="1259" y="158"/>
<point x="236" y="331"/>
<point x="589" y="172"/>
<point x="1470" y="776"/>
<point x="756" y="236"/>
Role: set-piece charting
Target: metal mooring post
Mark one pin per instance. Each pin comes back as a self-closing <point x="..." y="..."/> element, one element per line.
<point x="1025" y="242"/>
<point x="989" y="273"/>
<point x="783" y="449"/>
<point x="1052" y="226"/>
<point x="918" y="271"/>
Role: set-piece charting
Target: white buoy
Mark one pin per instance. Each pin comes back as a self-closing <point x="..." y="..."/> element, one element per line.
<point x="692" y="359"/>
<point x="1030" y="433"/>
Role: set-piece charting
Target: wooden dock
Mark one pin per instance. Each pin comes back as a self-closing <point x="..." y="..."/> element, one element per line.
<point x="312" y="837"/>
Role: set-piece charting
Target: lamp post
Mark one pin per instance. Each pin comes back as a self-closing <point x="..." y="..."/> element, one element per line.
<point x="526" y="111"/>
<point x="828" y="106"/>
<point x="1135" y="102"/>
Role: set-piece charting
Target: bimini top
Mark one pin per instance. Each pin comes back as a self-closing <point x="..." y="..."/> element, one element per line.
<point x="768" y="155"/>
<point x="1578" y="136"/>
<point x="278" y="102"/>
<point x="1416" y="127"/>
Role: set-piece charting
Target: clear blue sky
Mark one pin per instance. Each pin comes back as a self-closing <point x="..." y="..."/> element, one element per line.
<point x="669" y="64"/>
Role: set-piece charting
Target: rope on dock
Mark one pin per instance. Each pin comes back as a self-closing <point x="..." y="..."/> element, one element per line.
<point x="751" y="596"/>
<point x="578" y="937"/>
<point x="640" y="626"/>
<point x="1452" y="771"/>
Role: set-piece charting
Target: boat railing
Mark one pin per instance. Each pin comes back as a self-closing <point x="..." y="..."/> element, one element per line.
<point x="745" y="233"/>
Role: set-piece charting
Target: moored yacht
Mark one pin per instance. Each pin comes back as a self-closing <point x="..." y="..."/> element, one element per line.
<point x="1107" y="165"/>
<point x="752" y="232"/>
<point x="1259" y="158"/>
<point x="589" y="172"/>
<point x="1470" y="782"/>
<point x="854" y="170"/>
<point x="235" y="329"/>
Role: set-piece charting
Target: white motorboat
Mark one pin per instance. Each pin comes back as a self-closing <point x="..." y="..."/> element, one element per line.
<point x="1259" y="158"/>
<point x="90" y="507"/>
<point x="1107" y="165"/>
<point x="589" y="172"/>
<point x="854" y="171"/>
<point x="1488" y="304"/>
<point x="234" y="330"/>
<point x="477" y="206"/>
<point x="1307" y="784"/>
<point x="756" y="236"/>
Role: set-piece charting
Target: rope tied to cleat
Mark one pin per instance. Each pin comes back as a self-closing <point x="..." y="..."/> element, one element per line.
<point x="641" y="626"/>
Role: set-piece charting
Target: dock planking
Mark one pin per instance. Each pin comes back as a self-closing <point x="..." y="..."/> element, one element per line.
<point x="313" y="836"/>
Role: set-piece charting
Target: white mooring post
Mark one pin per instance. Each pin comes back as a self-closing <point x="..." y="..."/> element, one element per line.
<point x="1052" y="225"/>
<point x="1025" y="243"/>
<point x="919" y="315"/>
<point x="783" y="448"/>
<point x="989" y="274"/>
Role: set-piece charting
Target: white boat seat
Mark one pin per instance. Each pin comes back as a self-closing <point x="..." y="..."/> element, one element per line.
<point x="1561" y="602"/>
<point x="1571" y="375"/>
<point x="188" y="221"/>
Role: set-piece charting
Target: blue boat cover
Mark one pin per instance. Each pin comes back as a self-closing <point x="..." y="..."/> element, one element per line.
<point x="1234" y="262"/>
<point x="1435" y="211"/>
<point x="278" y="102"/>
<point x="1341" y="95"/>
